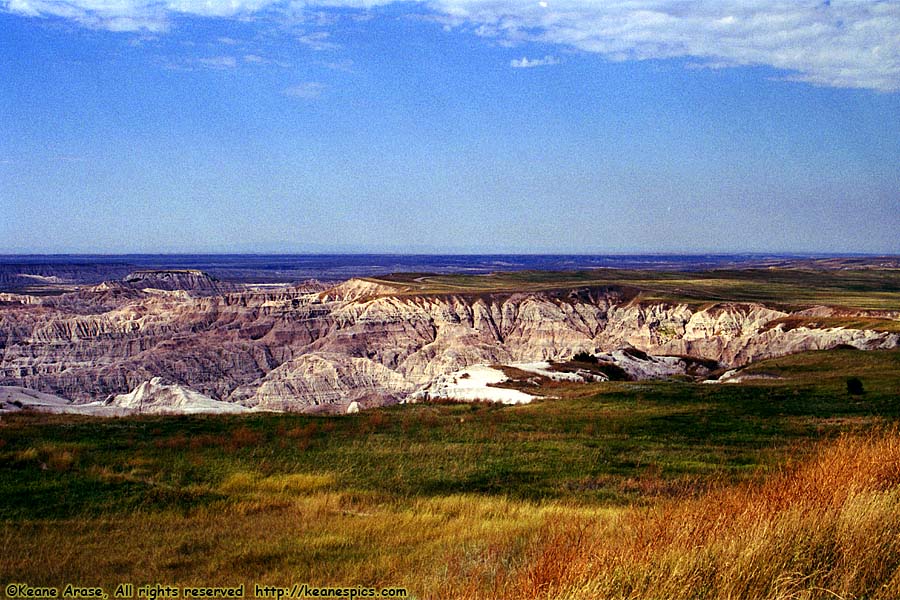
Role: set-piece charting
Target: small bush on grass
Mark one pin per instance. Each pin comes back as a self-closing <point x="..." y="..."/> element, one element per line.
<point x="855" y="386"/>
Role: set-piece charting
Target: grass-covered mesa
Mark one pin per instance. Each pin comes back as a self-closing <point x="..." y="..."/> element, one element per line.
<point x="782" y="486"/>
<point x="792" y="286"/>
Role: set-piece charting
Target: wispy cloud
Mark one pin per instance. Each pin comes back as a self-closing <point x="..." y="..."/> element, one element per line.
<point x="318" y="41"/>
<point x="307" y="90"/>
<point x="848" y="43"/>
<point x="256" y="59"/>
<point x="527" y="63"/>
<point x="345" y="65"/>
<point x="217" y="62"/>
<point x="842" y="44"/>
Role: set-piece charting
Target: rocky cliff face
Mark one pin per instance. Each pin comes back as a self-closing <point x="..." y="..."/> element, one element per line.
<point x="324" y="380"/>
<point x="300" y="348"/>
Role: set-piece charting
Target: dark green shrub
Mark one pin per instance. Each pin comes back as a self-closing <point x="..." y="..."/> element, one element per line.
<point x="585" y="357"/>
<point x="614" y="372"/>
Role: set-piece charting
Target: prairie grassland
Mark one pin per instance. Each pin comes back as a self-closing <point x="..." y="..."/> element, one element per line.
<point x="783" y="287"/>
<point x="873" y="324"/>
<point x="785" y="488"/>
<point x="822" y="528"/>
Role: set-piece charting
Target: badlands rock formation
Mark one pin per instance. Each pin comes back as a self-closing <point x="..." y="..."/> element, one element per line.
<point x="15" y="398"/>
<point x="305" y="348"/>
<point x="176" y="279"/>
<point x="160" y="397"/>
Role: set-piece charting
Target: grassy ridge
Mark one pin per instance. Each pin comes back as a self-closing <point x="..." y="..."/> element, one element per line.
<point x="790" y="288"/>
<point x="465" y="501"/>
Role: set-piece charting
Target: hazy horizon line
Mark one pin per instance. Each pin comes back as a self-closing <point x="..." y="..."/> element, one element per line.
<point x="4" y="254"/>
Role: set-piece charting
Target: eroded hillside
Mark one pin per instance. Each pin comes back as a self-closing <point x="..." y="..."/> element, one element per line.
<point x="313" y="347"/>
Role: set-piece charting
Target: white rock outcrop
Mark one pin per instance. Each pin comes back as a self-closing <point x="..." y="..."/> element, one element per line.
<point x="472" y="384"/>
<point x="159" y="397"/>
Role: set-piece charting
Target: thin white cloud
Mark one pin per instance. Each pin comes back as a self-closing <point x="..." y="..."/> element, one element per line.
<point x="215" y="63"/>
<point x="127" y="16"/>
<point x="318" y="41"/>
<point x="527" y="63"/>
<point x="256" y="59"/>
<point x="218" y="62"/>
<point x="307" y="90"/>
<point x="841" y="43"/>
<point x="345" y="65"/>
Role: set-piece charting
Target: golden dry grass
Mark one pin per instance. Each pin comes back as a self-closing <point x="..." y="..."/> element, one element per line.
<point x="828" y="527"/>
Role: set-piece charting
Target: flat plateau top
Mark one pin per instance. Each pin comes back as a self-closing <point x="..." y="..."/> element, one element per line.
<point x="866" y="289"/>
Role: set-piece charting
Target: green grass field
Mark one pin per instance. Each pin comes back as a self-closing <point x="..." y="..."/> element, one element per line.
<point x="466" y="501"/>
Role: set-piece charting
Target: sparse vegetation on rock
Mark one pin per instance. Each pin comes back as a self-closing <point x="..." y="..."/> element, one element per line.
<point x="585" y="357"/>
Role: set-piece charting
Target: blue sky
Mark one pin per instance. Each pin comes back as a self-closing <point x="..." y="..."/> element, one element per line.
<point x="449" y="126"/>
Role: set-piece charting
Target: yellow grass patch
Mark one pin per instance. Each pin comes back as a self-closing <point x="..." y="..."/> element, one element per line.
<point x="291" y="483"/>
